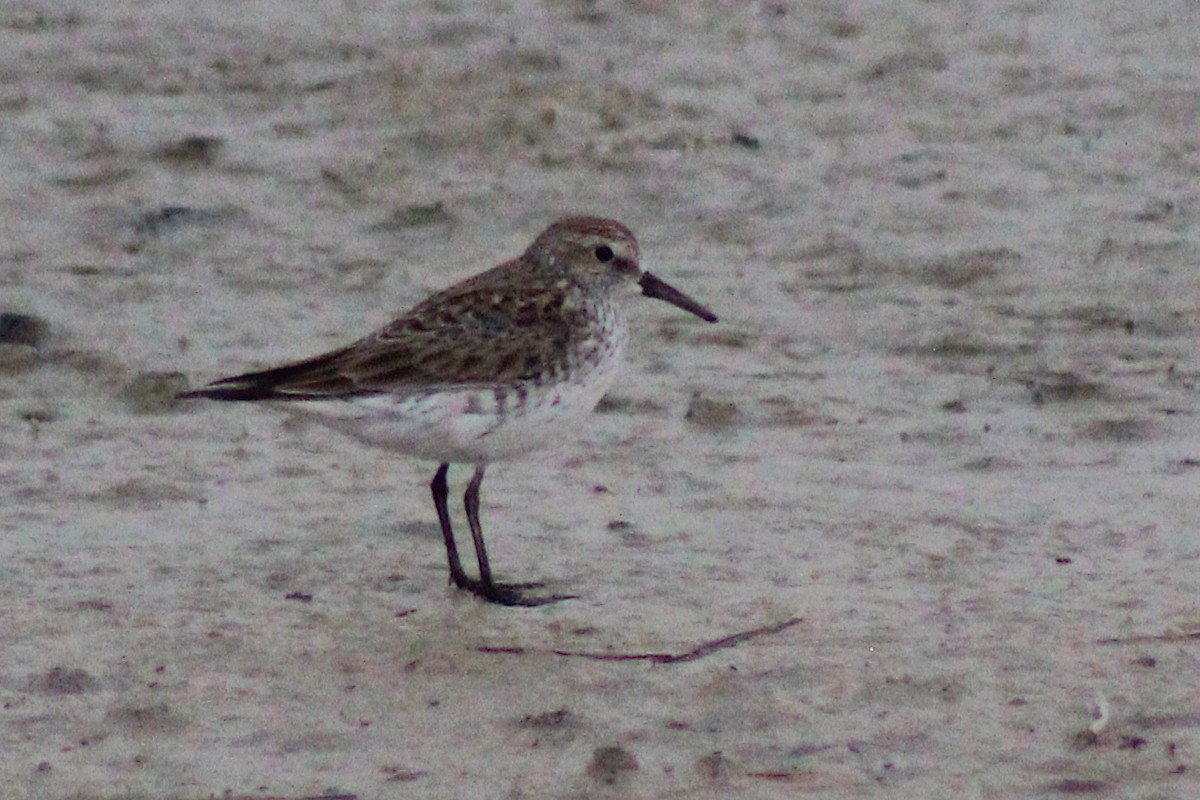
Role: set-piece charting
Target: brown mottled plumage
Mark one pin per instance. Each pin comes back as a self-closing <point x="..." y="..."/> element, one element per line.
<point x="489" y="368"/>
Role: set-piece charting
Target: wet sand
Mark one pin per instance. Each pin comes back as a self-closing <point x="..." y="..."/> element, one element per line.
<point x="938" y="460"/>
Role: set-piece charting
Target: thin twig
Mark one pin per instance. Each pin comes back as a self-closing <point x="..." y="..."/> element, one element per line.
<point x="1149" y="639"/>
<point x="707" y="648"/>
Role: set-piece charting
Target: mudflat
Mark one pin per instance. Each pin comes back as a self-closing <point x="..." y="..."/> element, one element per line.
<point x="916" y="519"/>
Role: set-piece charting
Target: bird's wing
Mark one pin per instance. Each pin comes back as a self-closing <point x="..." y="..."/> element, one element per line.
<point x="474" y="334"/>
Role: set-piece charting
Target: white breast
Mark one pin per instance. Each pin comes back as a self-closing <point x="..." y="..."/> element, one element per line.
<point x="476" y="425"/>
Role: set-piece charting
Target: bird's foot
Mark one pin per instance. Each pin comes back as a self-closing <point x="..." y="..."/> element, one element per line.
<point x="509" y="594"/>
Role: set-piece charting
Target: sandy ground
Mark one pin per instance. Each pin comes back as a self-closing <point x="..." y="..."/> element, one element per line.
<point x="939" y="458"/>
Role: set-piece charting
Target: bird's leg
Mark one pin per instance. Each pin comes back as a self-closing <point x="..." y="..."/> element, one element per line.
<point x="471" y="503"/>
<point x="507" y="594"/>
<point x="440" y="495"/>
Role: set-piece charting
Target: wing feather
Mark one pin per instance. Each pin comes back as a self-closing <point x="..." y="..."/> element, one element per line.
<point x="482" y="332"/>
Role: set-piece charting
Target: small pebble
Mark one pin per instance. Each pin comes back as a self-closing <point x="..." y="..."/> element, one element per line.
<point x="747" y="141"/>
<point x="22" y="329"/>
<point x="21" y="339"/>
<point x="168" y="218"/>
<point x="711" y="413"/>
<point x="193" y="151"/>
<point x="416" y="216"/>
<point x="715" y="767"/>
<point x="550" y="719"/>
<point x="63" y="680"/>
<point x="608" y="764"/>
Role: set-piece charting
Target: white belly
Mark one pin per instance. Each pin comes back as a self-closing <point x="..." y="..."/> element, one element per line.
<point x="468" y="425"/>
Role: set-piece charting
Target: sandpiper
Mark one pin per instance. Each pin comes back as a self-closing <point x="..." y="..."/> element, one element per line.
<point x="490" y="368"/>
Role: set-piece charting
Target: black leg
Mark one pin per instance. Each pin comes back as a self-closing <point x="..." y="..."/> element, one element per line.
<point x="471" y="503"/>
<point x="440" y="494"/>
<point x="508" y="594"/>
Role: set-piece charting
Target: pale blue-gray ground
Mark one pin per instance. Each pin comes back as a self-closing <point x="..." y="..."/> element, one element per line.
<point x="948" y="417"/>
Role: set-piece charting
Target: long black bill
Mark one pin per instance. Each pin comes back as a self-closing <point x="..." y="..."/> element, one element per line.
<point x="660" y="290"/>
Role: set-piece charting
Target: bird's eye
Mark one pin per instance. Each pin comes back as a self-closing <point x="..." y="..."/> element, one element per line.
<point x="604" y="254"/>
